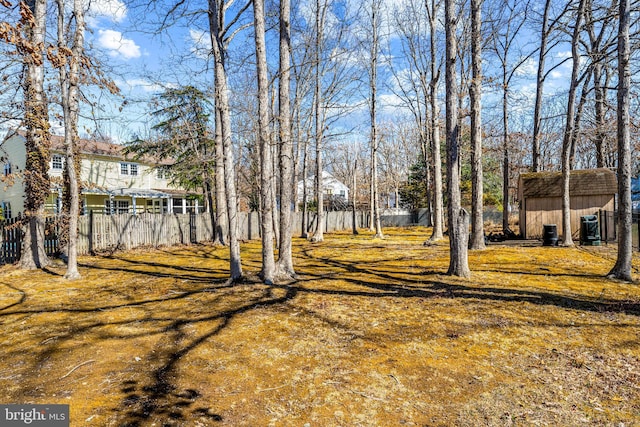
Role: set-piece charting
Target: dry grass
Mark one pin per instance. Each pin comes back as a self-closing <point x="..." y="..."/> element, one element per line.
<point x="372" y="334"/>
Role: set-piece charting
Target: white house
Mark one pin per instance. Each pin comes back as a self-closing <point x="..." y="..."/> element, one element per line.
<point x="330" y="185"/>
<point x="111" y="181"/>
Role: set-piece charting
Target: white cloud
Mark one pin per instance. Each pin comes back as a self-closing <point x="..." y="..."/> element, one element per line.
<point x="200" y="43"/>
<point x="118" y="45"/>
<point x="115" y="10"/>
<point x="144" y="85"/>
<point x="528" y="68"/>
<point x="557" y="74"/>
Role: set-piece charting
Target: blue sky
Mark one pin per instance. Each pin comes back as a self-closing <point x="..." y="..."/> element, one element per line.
<point x="115" y="30"/>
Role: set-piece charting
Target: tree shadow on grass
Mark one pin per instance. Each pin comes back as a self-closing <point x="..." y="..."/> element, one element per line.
<point x="169" y="270"/>
<point x="155" y="395"/>
<point x="426" y="285"/>
<point x="160" y="399"/>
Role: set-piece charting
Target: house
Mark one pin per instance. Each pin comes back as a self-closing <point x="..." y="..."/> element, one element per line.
<point x="333" y="188"/>
<point x="112" y="182"/>
<point x="540" y="197"/>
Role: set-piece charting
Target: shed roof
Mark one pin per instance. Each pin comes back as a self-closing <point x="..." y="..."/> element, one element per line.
<point x="587" y="182"/>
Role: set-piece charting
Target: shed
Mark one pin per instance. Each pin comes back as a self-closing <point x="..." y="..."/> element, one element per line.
<point x="540" y="196"/>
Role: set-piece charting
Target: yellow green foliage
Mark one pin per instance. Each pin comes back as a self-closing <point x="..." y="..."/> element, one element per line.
<point x="373" y="333"/>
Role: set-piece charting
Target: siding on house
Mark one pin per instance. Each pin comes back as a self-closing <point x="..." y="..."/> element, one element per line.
<point x="14" y="157"/>
<point x="110" y="178"/>
<point x="330" y="184"/>
<point x="540" y="196"/>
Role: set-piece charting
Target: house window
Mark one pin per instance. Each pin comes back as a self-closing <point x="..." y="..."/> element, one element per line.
<point x="161" y="173"/>
<point x="177" y="206"/>
<point x="6" y="210"/>
<point x="107" y="207"/>
<point x="56" y="162"/>
<point x="128" y="169"/>
<point x="122" y="206"/>
<point x="7" y="169"/>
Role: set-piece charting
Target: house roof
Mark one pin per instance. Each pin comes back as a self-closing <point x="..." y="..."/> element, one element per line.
<point x="99" y="148"/>
<point x="86" y="146"/>
<point x="103" y="148"/>
<point x="587" y="182"/>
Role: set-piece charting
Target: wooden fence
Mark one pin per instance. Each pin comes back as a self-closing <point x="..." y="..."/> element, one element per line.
<point x="98" y="232"/>
<point x="108" y="233"/>
<point x="12" y="234"/>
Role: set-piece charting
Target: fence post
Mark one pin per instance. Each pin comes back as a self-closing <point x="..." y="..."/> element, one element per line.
<point x="192" y="228"/>
<point x="90" y="233"/>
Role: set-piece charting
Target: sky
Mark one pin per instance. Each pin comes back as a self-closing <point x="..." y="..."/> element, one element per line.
<point x="137" y="58"/>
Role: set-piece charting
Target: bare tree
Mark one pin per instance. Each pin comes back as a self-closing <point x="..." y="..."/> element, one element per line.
<point x="506" y="29"/>
<point x="417" y="23"/>
<point x="570" y="126"/>
<point x="600" y="28"/>
<point x="266" y="166"/>
<point x="622" y="268"/>
<point x="458" y="217"/>
<point x="398" y="146"/>
<point x="36" y="122"/>
<point x="221" y="232"/>
<point x="285" y="259"/>
<point x="542" y="55"/>
<point x="438" y="205"/>
<point x="347" y="161"/>
<point x="219" y="40"/>
<point x="68" y="61"/>
<point x="319" y="120"/>
<point x="475" y="92"/>
<point x="374" y="139"/>
<point x="548" y="27"/>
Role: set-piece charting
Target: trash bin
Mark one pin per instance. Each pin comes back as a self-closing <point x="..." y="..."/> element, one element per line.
<point x="589" y="230"/>
<point x="549" y="235"/>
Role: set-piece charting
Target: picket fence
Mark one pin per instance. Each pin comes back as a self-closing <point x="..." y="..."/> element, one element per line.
<point x="99" y="233"/>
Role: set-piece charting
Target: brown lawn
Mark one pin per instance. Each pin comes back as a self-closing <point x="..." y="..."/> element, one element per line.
<point x="372" y="334"/>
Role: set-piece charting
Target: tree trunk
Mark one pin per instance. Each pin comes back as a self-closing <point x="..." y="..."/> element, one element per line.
<point x="570" y="129"/>
<point x="477" y="216"/>
<point x="354" y="193"/>
<point x="216" y="21"/>
<point x="222" y="222"/>
<point x="69" y="82"/>
<point x="622" y="268"/>
<point x="373" y="103"/>
<point x="318" y="235"/>
<point x="537" y="111"/>
<point x="505" y="155"/>
<point x="438" y="204"/>
<point x="458" y="217"/>
<point x="266" y="165"/>
<point x="600" y="108"/>
<point x="36" y="121"/>
<point x="304" y="233"/>
<point x="285" y="257"/>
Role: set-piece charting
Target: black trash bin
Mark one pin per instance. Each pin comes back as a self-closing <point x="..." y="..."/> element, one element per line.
<point x="589" y="230"/>
<point x="549" y="235"/>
